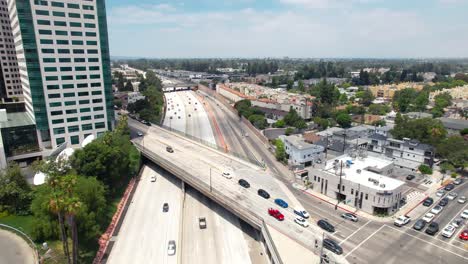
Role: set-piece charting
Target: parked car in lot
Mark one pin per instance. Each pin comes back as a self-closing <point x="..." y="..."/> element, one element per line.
<point x="410" y="177"/>
<point x="448" y="231"/>
<point x="332" y="246"/>
<point x="452" y="195"/>
<point x="428" y="217"/>
<point x="419" y="225"/>
<point x="464" y="235"/>
<point x="171" y="248"/>
<point x="440" y="193"/>
<point x="428" y="201"/>
<point x="325" y="225"/>
<point x="169" y="149"/>
<point x="350" y="216"/>
<point x="462" y="199"/>
<point x="276" y="214"/>
<point x="449" y="187"/>
<point x="165" y="207"/>
<point x="458" y="181"/>
<point x="281" y="203"/>
<point x="464" y="214"/>
<point x="244" y="183"/>
<point x="301" y="221"/>
<point x="432" y="229"/>
<point x="301" y="212"/>
<point x="437" y="209"/>
<point x="458" y="222"/>
<point x="402" y="220"/>
<point x="263" y="193"/>
<point x="444" y="201"/>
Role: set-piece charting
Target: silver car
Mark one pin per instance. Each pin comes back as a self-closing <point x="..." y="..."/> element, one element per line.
<point x="171" y="248"/>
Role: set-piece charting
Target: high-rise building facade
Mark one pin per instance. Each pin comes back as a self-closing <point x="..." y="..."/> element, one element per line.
<point x="63" y="57"/>
<point x="10" y="82"/>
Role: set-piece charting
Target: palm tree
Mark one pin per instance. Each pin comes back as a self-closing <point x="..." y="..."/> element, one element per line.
<point x="71" y="209"/>
<point x="56" y="205"/>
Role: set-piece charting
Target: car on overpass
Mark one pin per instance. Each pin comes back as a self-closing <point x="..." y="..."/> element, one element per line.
<point x="276" y="214"/>
<point x="244" y="183"/>
<point x="169" y="149"/>
<point x="301" y="221"/>
<point x="301" y="212"/>
<point x="263" y="193"/>
<point x="281" y="203"/>
<point x="202" y="222"/>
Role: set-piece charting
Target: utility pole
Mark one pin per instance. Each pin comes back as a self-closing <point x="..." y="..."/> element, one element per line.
<point x="321" y="248"/>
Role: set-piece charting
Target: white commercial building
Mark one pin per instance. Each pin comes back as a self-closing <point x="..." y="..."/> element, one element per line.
<point x="300" y="152"/>
<point x="361" y="181"/>
<point x="63" y="56"/>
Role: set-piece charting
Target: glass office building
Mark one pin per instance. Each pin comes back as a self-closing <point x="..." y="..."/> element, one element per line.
<point x="63" y="57"/>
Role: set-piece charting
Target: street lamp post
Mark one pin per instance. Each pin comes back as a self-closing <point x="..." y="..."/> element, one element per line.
<point x="211" y="189"/>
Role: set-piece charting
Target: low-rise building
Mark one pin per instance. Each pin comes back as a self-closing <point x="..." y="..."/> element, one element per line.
<point x="406" y="153"/>
<point x="300" y="152"/>
<point x="361" y="181"/>
<point x="454" y="126"/>
<point x="418" y="115"/>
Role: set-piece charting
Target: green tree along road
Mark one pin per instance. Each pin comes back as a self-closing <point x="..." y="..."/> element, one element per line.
<point x="15" y="193"/>
<point x="150" y="108"/>
<point x="280" y="152"/>
<point x="77" y="201"/>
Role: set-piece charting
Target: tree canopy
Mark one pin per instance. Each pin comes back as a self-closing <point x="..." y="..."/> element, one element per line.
<point x="15" y="193"/>
<point x="426" y="130"/>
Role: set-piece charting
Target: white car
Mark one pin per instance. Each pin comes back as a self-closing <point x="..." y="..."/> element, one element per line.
<point x="448" y="231"/>
<point x="301" y="212"/>
<point x="402" y="220"/>
<point x="462" y="199"/>
<point x="428" y="217"/>
<point x="301" y="221"/>
<point x="464" y="214"/>
<point x="171" y="248"/>
<point x="437" y="209"/>
<point x="440" y="193"/>
<point x="227" y="174"/>
<point x="153" y="178"/>
<point x="139" y="134"/>
<point x="452" y="195"/>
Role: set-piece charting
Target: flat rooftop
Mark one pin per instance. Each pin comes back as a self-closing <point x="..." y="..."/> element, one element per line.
<point x="358" y="172"/>
<point x="17" y="120"/>
<point x="299" y="143"/>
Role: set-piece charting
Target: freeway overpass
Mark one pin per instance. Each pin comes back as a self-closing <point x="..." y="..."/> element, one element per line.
<point x="201" y="167"/>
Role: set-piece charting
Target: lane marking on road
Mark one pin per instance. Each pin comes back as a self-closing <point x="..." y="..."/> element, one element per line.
<point x="357" y="230"/>
<point x="364" y="241"/>
<point x="433" y="244"/>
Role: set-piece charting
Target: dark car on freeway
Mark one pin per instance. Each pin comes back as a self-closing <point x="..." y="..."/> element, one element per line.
<point x="410" y="177"/>
<point x="419" y="225"/>
<point x="432" y="229"/>
<point x="244" y="183"/>
<point x="281" y="203"/>
<point x="332" y="246"/>
<point x="428" y="201"/>
<point x="449" y="187"/>
<point x="169" y="149"/>
<point x="165" y="207"/>
<point x="444" y="201"/>
<point x="263" y="193"/>
<point x="326" y="226"/>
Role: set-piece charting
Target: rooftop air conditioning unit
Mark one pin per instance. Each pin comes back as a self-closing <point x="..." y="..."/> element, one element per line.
<point x="382" y="185"/>
<point x="358" y="171"/>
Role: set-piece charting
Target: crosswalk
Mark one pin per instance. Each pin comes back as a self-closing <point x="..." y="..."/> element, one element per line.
<point x="414" y="196"/>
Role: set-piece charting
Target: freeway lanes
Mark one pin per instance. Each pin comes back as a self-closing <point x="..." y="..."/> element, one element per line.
<point x="146" y="230"/>
<point x="204" y="161"/>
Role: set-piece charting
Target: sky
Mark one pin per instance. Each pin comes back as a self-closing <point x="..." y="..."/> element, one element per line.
<point x="292" y="28"/>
